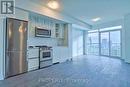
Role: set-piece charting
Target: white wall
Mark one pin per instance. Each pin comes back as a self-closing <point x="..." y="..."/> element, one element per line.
<point x="63" y="53"/>
<point x="70" y="40"/>
<point x="1" y="49"/>
<point x="126" y="37"/>
<point x="36" y="41"/>
<point x="77" y="42"/>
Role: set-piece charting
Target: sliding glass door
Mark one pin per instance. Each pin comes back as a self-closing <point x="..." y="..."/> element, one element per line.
<point x="104" y="43"/>
<point x="115" y="44"/>
<point x="93" y="43"/>
<point x="110" y="43"/>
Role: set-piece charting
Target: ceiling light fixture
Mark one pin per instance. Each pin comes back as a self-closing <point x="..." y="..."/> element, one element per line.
<point x="96" y="19"/>
<point x="53" y="4"/>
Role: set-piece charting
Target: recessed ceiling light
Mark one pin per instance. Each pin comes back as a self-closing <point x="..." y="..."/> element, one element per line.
<point x="53" y="4"/>
<point x="96" y="19"/>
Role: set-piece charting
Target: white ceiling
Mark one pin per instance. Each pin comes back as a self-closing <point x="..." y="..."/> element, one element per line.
<point x="85" y="10"/>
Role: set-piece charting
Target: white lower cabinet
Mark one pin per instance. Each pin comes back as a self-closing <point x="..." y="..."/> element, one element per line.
<point x="33" y="59"/>
<point x="33" y="53"/>
<point x="61" y="54"/>
<point x="33" y="64"/>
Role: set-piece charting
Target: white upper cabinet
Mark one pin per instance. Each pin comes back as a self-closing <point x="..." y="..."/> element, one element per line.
<point x="40" y="21"/>
<point x="53" y="35"/>
<point x="59" y="30"/>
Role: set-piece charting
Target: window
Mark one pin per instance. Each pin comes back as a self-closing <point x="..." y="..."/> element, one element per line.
<point x="93" y="43"/>
<point x="105" y="42"/>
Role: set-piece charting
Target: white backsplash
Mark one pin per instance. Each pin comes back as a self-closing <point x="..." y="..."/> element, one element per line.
<point x="34" y="41"/>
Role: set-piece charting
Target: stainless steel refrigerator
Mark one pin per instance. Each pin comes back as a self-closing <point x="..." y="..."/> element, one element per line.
<point x="16" y="47"/>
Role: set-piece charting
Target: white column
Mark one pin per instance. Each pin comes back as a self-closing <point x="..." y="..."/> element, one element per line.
<point x="126" y="39"/>
<point x="1" y="49"/>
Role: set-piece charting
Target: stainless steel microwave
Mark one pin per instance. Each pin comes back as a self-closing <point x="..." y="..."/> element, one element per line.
<point x="39" y="32"/>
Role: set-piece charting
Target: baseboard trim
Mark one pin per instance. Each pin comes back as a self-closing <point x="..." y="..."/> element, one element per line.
<point x="1" y="77"/>
<point x="127" y="61"/>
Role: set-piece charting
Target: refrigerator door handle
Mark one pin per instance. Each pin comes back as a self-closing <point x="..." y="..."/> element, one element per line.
<point x="8" y="53"/>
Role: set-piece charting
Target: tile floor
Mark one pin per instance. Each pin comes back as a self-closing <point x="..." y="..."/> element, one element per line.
<point x="83" y="71"/>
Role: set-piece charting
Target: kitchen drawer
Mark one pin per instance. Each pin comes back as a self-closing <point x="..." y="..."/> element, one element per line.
<point x="32" y="53"/>
<point x="33" y="64"/>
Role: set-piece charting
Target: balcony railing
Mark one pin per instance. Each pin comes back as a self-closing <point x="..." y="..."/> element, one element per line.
<point x="115" y="49"/>
<point x="93" y="48"/>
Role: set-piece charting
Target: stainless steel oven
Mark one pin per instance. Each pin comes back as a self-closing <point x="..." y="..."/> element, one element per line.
<point x="39" y="32"/>
<point x="45" y="56"/>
